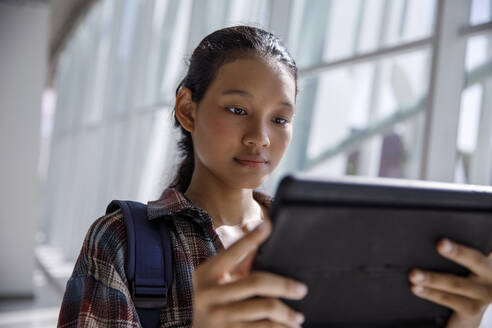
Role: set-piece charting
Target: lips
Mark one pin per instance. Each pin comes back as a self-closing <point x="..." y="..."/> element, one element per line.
<point x="254" y="161"/>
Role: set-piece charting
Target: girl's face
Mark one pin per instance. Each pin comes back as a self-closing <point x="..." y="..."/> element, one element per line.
<point x="243" y="124"/>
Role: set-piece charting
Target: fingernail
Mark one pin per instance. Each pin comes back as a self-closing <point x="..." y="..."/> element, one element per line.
<point x="417" y="276"/>
<point x="299" y="317"/>
<point x="301" y="289"/>
<point x="418" y="289"/>
<point x="446" y="246"/>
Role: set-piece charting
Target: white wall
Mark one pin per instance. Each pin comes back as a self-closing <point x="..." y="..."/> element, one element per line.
<point x="23" y="58"/>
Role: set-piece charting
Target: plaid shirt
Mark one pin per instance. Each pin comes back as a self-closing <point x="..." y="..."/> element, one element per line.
<point x="97" y="293"/>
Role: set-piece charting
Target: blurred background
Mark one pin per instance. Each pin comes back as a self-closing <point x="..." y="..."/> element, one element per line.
<point x="388" y="88"/>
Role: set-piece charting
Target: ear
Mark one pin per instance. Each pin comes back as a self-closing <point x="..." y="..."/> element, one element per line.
<point x="185" y="109"/>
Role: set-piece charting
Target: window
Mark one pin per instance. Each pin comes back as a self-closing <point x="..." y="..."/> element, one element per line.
<point x="388" y="88"/>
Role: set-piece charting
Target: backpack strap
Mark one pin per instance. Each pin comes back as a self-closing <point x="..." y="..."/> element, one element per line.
<point x="149" y="261"/>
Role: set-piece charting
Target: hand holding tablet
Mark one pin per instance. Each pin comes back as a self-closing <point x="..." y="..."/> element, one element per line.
<point x="355" y="242"/>
<point x="467" y="296"/>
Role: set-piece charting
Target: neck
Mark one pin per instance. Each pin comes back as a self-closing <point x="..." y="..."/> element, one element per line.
<point x="226" y="205"/>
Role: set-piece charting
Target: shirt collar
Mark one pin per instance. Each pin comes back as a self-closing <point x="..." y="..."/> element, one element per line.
<point x="172" y="202"/>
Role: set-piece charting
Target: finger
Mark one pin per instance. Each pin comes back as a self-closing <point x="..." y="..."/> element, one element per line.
<point x="262" y="324"/>
<point x="257" y="309"/>
<point x="460" y="304"/>
<point x="226" y="260"/>
<point x="452" y="284"/>
<point x="257" y="284"/>
<point x="243" y="268"/>
<point x="468" y="257"/>
<point x="245" y="265"/>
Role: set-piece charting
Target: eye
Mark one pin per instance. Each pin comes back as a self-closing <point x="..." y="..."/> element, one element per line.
<point x="280" y="121"/>
<point x="236" y="110"/>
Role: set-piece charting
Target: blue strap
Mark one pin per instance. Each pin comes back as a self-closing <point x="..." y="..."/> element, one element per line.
<point x="149" y="317"/>
<point x="149" y="261"/>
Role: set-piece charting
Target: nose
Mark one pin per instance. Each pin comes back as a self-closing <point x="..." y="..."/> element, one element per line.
<point x="257" y="135"/>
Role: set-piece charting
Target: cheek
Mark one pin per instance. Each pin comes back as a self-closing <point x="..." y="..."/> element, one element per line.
<point x="214" y="134"/>
<point x="281" y="140"/>
<point x="223" y="131"/>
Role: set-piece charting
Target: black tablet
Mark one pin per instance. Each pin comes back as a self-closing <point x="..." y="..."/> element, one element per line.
<point x="353" y="242"/>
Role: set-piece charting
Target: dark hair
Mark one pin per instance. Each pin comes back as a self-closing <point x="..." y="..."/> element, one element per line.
<point x="215" y="50"/>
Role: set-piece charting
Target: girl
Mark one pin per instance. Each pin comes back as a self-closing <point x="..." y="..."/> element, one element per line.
<point x="235" y="109"/>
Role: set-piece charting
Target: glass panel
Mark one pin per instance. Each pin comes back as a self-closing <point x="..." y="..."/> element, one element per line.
<point x="108" y="189"/>
<point x="211" y="15"/>
<point x="409" y="20"/>
<point x="365" y="119"/>
<point x="474" y="140"/>
<point x="397" y="153"/>
<point x="247" y="12"/>
<point x="476" y="52"/>
<point x="339" y="29"/>
<point x="400" y="150"/>
<point x="369" y="36"/>
<point x="59" y="178"/>
<point x="162" y="19"/>
<point x="311" y="31"/>
<point x="159" y="164"/>
<point x="480" y="11"/>
<point x="344" y="18"/>
<point x="471" y="102"/>
<point x="353" y="99"/>
<point x="173" y="50"/>
<point x="468" y="130"/>
<point x="336" y="166"/>
<point x="84" y="176"/>
<point x="102" y="31"/>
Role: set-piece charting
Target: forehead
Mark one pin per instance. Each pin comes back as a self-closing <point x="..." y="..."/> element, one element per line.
<point x="257" y="76"/>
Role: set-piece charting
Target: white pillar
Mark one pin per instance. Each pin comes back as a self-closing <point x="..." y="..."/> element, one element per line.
<point x="446" y="85"/>
<point x="23" y="58"/>
<point x="481" y="159"/>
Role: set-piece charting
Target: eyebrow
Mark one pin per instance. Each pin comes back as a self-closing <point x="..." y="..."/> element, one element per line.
<point x="249" y="95"/>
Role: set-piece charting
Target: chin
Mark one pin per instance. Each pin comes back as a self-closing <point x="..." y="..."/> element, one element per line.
<point x="245" y="183"/>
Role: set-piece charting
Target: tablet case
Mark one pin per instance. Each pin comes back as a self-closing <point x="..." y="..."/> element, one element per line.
<point x="354" y="241"/>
